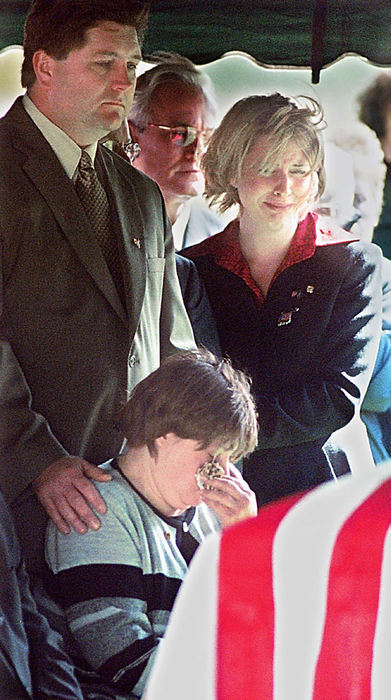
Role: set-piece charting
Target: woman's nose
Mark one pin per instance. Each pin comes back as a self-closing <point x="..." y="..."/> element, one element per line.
<point x="282" y="183"/>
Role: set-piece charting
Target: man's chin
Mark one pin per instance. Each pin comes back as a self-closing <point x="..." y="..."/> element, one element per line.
<point x="189" y="184"/>
<point x="112" y="119"/>
<point x="114" y="123"/>
<point x="194" y="189"/>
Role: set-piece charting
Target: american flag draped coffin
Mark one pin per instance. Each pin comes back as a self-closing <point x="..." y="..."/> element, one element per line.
<point x="304" y="597"/>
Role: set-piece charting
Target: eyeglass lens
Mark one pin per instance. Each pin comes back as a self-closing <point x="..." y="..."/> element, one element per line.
<point x="183" y="136"/>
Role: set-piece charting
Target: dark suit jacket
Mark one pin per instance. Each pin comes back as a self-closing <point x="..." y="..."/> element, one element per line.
<point x="197" y="305"/>
<point x="69" y="350"/>
<point x="32" y="664"/>
<point x="310" y="350"/>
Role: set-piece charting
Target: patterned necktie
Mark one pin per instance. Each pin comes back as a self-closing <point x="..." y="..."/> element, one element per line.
<point x="94" y="200"/>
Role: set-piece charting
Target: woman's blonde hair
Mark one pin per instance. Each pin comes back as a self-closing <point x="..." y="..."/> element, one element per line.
<point x="282" y="120"/>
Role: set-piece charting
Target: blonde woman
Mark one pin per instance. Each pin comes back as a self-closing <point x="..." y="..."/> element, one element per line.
<point x="296" y="303"/>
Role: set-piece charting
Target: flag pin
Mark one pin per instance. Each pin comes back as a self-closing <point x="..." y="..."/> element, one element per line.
<point x="284" y="318"/>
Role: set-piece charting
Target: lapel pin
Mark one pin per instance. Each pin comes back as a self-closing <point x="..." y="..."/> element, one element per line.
<point x="136" y="242"/>
<point x="284" y="318"/>
<point x="310" y="289"/>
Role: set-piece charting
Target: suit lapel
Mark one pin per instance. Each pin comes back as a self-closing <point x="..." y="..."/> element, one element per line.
<point x="42" y="167"/>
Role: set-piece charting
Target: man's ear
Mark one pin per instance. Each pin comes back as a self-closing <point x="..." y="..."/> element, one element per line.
<point x="134" y="133"/>
<point x="43" y="65"/>
<point x="159" y="443"/>
<point x="166" y="440"/>
<point x="163" y="444"/>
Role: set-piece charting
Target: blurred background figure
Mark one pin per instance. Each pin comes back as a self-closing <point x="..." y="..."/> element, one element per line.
<point x="375" y="111"/>
<point x="11" y="60"/>
<point x="355" y="175"/>
<point x="376" y="407"/>
<point x="172" y="118"/>
<point x="296" y="303"/>
<point x="336" y="202"/>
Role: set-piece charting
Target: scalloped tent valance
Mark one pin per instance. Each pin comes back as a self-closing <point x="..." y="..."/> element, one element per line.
<point x="309" y="33"/>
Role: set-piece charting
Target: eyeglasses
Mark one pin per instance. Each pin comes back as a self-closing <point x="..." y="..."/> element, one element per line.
<point x="183" y="136"/>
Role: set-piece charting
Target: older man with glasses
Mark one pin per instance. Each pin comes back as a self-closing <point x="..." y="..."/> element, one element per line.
<point x="172" y="117"/>
<point x="171" y="120"/>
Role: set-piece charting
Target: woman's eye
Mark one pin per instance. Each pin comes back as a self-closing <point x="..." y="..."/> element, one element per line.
<point x="266" y="173"/>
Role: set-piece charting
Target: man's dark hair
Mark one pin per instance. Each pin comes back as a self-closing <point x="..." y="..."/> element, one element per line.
<point x="59" y="26"/>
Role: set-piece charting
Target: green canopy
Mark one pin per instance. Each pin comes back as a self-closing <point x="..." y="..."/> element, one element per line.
<point x="278" y="32"/>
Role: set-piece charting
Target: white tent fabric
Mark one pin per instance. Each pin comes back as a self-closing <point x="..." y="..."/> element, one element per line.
<point x="237" y="75"/>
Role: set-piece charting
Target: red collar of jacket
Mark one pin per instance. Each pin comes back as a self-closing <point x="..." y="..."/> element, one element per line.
<point x="310" y="234"/>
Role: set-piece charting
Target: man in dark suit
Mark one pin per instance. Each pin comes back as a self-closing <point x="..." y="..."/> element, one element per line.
<point x="32" y="663"/>
<point x="77" y="329"/>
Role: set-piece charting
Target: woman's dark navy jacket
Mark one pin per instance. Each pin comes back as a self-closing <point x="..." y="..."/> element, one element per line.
<point x="310" y="350"/>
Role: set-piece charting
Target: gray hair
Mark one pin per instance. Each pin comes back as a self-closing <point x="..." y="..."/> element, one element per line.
<point x="171" y="67"/>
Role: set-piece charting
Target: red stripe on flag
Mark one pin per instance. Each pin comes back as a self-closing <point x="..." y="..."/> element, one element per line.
<point x="345" y="660"/>
<point x="245" y="637"/>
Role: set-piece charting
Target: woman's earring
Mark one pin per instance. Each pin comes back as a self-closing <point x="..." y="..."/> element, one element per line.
<point x="132" y="150"/>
